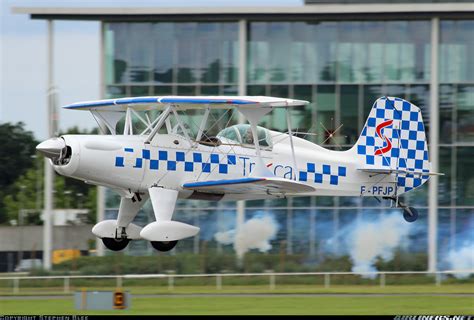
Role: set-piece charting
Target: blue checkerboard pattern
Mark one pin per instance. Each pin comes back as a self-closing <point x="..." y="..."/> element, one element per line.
<point x="191" y="161"/>
<point x="197" y="161"/>
<point x="407" y="135"/>
<point x="322" y="173"/>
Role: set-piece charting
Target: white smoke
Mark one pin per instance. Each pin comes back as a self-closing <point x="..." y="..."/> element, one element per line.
<point x="255" y="233"/>
<point x="462" y="258"/>
<point x="365" y="241"/>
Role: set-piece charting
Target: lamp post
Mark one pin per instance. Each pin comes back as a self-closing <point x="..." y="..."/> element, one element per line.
<point x="38" y="182"/>
<point x="20" y="225"/>
<point x="79" y="195"/>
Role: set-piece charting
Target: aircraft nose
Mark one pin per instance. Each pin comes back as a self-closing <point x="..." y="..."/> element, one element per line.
<point x="51" y="148"/>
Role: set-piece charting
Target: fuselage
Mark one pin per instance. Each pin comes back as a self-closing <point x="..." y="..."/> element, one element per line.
<point x="127" y="164"/>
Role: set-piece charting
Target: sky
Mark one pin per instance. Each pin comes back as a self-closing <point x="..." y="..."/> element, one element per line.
<point x="23" y="59"/>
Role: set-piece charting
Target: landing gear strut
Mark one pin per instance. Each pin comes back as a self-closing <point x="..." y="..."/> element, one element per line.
<point x="117" y="243"/>
<point x="163" y="245"/>
<point x="410" y="214"/>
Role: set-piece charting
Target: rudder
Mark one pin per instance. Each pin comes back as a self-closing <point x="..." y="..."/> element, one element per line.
<point x="394" y="138"/>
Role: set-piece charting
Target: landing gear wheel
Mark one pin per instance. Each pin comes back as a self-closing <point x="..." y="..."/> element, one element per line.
<point x="410" y="214"/>
<point x="115" y="244"/>
<point x="164" y="245"/>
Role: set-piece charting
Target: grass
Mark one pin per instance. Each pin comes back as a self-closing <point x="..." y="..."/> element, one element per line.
<point x="279" y="288"/>
<point x="391" y="305"/>
<point x="242" y="305"/>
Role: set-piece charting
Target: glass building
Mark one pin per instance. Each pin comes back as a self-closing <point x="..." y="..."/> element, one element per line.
<point x="341" y="61"/>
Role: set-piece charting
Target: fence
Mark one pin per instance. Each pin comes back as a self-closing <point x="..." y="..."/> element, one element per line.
<point x="220" y="276"/>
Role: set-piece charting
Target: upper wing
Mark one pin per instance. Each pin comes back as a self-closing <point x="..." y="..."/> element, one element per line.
<point x="264" y="185"/>
<point x="185" y="102"/>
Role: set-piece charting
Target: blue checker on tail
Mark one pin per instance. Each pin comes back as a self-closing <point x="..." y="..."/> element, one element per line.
<point x="394" y="137"/>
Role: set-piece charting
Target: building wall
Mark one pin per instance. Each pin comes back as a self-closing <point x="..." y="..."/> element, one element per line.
<point x="30" y="238"/>
<point x="26" y="242"/>
<point x="341" y="67"/>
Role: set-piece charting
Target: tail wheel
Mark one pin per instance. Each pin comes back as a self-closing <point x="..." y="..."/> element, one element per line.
<point x="410" y="214"/>
<point x="164" y="245"/>
<point x="115" y="244"/>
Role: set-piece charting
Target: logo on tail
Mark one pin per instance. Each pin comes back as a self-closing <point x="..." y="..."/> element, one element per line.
<point x="378" y="129"/>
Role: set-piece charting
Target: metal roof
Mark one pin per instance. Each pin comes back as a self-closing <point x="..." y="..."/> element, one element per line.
<point x="111" y="13"/>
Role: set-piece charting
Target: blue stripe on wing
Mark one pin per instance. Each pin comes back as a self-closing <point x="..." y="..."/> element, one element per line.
<point x="205" y="101"/>
<point x="199" y="184"/>
<point x="136" y="100"/>
<point x="164" y="100"/>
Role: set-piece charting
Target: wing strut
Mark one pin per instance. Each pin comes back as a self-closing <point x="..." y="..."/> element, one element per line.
<point x="253" y="116"/>
<point x="203" y="124"/>
<point x="163" y="117"/>
<point x="291" y="143"/>
<point x="181" y="124"/>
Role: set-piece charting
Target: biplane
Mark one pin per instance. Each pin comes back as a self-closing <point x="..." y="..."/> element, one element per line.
<point x="170" y="156"/>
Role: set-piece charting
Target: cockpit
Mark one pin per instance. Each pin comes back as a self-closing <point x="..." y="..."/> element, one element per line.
<point x="242" y="134"/>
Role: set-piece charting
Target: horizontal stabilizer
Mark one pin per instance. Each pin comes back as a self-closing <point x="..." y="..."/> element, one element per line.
<point x="400" y="172"/>
<point x="255" y="185"/>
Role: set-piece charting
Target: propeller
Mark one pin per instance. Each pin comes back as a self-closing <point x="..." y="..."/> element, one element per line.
<point x="52" y="148"/>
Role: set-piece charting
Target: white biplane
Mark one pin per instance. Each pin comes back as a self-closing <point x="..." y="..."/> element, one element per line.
<point x="166" y="161"/>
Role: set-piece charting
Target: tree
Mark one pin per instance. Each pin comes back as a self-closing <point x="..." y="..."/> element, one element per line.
<point x="18" y="147"/>
<point x="26" y="192"/>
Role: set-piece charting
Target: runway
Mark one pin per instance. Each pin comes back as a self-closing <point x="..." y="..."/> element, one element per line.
<point x="247" y="295"/>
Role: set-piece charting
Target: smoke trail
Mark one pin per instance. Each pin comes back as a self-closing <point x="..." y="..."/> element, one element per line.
<point x="460" y="255"/>
<point x="255" y="233"/>
<point x="462" y="258"/>
<point x="365" y="241"/>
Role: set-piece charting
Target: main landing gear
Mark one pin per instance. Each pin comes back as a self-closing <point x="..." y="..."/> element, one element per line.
<point x="118" y="244"/>
<point x="163" y="245"/>
<point x="163" y="234"/>
<point x="115" y="244"/>
<point x="410" y="214"/>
